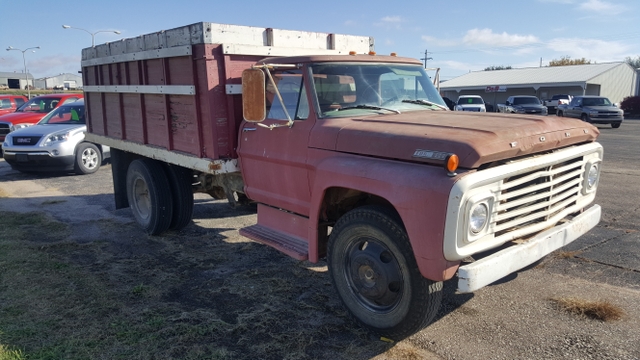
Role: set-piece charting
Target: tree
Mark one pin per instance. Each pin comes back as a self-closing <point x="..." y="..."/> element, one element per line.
<point x="635" y="63"/>
<point x="567" y="60"/>
<point x="501" y="67"/>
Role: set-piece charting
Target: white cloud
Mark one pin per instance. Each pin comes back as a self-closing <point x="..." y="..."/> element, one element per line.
<point x="488" y="37"/>
<point x="390" y="22"/>
<point x="601" y="6"/>
<point x="433" y="41"/>
<point x="590" y="49"/>
<point x="350" y="23"/>
<point x="392" y="19"/>
<point x="557" y="1"/>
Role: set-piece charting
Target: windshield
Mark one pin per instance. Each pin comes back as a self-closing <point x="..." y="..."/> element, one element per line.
<point x="526" y="101"/>
<point x="470" y="101"/>
<point x="40" y="105"/>
<point x="596" y="102"/>
<point x="66" y="114"/>
<point x="342" y="89"/>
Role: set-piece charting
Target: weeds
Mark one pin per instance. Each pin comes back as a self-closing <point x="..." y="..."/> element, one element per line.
<point x="599" y="310"/>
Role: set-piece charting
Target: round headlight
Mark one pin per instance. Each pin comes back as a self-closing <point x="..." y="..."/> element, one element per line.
<point x="478" y="217"/>
<point x="592" y="176"/>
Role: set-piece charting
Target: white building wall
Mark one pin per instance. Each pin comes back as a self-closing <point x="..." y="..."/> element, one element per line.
<point x="617" y="83"/>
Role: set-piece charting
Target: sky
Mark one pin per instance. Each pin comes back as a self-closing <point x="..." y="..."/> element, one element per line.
<point x="458" y="36"/>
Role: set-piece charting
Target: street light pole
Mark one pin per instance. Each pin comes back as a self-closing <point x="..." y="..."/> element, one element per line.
<point x="24" y="62"/>
<point x="93" y="34"/>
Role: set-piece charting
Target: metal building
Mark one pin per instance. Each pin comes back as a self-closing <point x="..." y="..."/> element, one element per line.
<point x="15" y="80"/>
<point x="613" y="80"/>
<point x="62" y="81"/>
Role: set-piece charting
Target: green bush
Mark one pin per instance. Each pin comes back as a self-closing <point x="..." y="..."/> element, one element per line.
<point x="631" y="105"/>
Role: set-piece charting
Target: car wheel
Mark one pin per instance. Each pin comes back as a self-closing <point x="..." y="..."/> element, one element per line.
<point x="616" y="125"/>
<point x="374" y="271"/>
<point x="88" y="159"/>
<point x="560" y="113"/>
<point x="585" y="118"/>
<point x="180" y="180"/>
<point x="150" y="202"/>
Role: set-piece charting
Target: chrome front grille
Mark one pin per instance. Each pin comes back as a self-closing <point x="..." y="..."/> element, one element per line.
<point x="4" y="129"/>
<point x="538" y="196"/>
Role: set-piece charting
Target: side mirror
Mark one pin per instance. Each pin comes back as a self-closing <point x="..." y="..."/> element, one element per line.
<point x="507" y="103"/>
<point x="253" y="95"/>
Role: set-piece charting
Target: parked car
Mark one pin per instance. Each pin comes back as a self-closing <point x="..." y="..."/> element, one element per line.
<point x="593" y="109"/>
<point x="55" y="143"/>
<point x="556" y="100"/>
<point x="32" y="111"/>
<point x="470" y="103"/>
<point x="523" y="104"/>
<point x="11" y="103"/>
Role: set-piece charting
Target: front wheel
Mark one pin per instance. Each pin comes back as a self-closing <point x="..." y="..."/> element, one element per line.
<point x="88" y="159"/>
<point x="615" y="125"/>
<point x="560" y="113"/>
<point x="373" y="268"/>
<point x="585" y="117"/>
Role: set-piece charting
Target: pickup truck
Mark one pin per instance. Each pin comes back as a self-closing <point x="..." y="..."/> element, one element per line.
<point x="522" y="104"/>
<point x="593" y="109"/>
<point x="10" y="103"/>
<point x="556" y="100"/>
<point x="350" y="156"/>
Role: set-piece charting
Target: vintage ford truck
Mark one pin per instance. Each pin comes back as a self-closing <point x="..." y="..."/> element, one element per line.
<point x="350" y="156"/>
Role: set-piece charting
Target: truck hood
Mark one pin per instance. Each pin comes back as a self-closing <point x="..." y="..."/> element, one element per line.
<point x="48" y="129"/>
<point x="30" y="117"/>
<point x="477" y="138"/>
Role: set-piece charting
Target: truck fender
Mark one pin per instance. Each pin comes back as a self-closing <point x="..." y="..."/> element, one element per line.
<point x="418" y="192"/>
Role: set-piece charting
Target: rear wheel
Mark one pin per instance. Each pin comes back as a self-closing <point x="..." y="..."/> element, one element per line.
<point x="585" y="117"/>
<point x="615" y="125"/>
<point x="180" y="180"/>
<point x="560" y="113"/>
<point x="373" y="268"/>
<point x="149" y="195"/>
<point x="88" y="159"/>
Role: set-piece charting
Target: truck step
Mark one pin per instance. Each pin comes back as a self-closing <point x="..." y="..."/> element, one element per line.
<point x="295" y="247"/>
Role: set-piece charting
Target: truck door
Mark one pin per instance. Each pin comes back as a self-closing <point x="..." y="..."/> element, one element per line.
<point x="273" y="161"/>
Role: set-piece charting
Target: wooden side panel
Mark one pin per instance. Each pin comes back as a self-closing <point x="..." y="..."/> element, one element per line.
<point x="184" y="123"/>
<point x="133" y="69"/>
<point x="94" y="108"/>
<point x="155" y="72"/>
<point x="180" y="70"/>
<point x="132" y="116"/>
<point x="156" y="121"/>
<point x="112" y="112"/>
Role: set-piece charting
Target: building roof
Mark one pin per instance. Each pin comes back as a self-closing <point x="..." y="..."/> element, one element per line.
<point x="530" y="77"/>
<point x="14" y="75"/>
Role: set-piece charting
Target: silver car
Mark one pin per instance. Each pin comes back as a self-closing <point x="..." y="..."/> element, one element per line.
<point x="56" y="143"/>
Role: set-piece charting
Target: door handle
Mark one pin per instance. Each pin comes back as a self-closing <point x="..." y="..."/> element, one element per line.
<point x="248" y="129"/>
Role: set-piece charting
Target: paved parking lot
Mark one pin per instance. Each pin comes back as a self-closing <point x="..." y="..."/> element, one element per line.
<point x="512" y="319"/>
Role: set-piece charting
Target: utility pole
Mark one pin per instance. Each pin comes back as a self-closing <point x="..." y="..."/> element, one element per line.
<point x="426" y="57"/>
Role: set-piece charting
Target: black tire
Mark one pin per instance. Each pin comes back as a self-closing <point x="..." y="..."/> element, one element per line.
<point x="585" y="117"/>
<point x="88" y="159"/>
<point x="615" y="125"/>
<point x="375" y="273"/>
<point x="149" y="195"/>
<point x="180" y="180"/>
<point x="560" y="113"/>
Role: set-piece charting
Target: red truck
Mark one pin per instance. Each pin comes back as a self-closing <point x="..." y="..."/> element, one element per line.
<point x="10" y="103"/>
<point x="350" y="156"/>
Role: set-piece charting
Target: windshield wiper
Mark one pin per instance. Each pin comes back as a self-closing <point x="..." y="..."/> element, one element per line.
<point x="370" y="107"/>
<point x="425" y="102"/>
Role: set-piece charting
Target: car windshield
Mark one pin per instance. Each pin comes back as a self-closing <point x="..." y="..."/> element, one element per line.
<point x="344" y="89"/>
<point x="596" y="102"/>
<point x="40" y="105"/>
<point x="526" y="101"/>
<point x="67" y="114"/>
<point x="470" y="101"/>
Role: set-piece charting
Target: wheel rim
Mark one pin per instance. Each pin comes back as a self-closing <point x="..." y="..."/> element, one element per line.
<point x="374" y="275"/>
<point x="141" y="199"/>
<point x="89" y="158"/>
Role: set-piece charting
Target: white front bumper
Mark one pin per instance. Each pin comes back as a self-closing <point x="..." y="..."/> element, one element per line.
<point x="504" y="262"/>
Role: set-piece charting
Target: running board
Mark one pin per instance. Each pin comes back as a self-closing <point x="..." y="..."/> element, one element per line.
<point x="281" y="230"/>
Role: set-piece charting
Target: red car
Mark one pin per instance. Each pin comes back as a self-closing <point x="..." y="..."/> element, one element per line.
<point x="10" y="103"/>
<point x="32" y="111"/>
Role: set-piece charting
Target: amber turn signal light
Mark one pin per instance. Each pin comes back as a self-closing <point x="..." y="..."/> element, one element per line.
<point x="352" y="52"/>
<point x="451" y="163"/>
<point x="372" y="52"/>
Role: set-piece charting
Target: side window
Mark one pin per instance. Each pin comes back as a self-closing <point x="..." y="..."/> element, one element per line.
<point x="71" y="99"/>
<point x="5" y="104"/>
<point x="294" y="96"/>
<point x="19" y="101"/>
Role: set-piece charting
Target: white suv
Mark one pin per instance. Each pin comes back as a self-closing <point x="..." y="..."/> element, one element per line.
<point x="470" y="103"/>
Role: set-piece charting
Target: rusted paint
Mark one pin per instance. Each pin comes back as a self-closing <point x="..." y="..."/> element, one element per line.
<point x="214" y="166"/>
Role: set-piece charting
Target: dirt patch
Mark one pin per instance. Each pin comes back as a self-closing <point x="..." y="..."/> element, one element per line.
<point x="599" y="310"/>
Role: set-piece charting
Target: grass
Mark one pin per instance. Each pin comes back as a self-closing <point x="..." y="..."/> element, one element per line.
<point x="599" y="310"/>
<point x="124" y="295"/>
